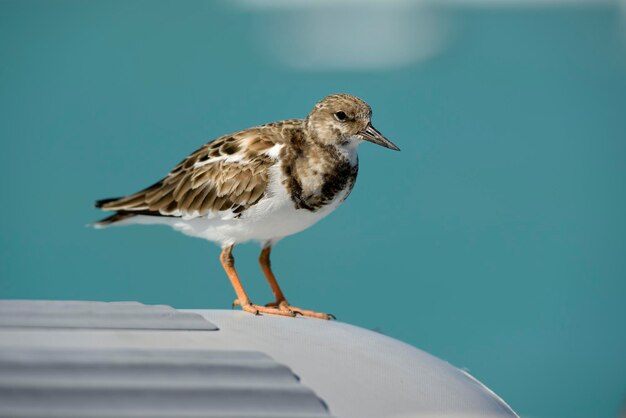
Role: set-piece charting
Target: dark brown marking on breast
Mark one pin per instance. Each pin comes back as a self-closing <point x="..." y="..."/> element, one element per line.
<point x="344" y="176"/>
<point x="308" y="163"/>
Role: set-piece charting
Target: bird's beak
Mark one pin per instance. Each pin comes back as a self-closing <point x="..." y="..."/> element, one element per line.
<point x="372" y="135"/>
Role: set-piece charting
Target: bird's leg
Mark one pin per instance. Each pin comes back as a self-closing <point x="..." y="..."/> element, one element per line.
<point x="280" y="301"/>
<point x="228" y="262"/>
<point x="266" y="267"/>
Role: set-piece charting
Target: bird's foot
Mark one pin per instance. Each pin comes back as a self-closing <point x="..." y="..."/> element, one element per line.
<point x="284" y="306"/>
<point x="258" y="309"/>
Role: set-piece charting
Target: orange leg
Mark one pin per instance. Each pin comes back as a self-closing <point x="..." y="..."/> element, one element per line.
<point x="228" y="262"/>
<point x="264" y="261"/>
<point x="281" y="302"/>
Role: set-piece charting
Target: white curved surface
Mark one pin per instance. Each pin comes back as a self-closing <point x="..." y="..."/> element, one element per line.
<point x="359" y="373"/>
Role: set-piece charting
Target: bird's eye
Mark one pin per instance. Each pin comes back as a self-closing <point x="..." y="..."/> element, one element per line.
<point x="341" y="116"/>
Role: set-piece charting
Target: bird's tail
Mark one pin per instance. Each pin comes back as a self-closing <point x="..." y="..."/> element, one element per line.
<point x="126" y="207"/>
<point x="113" y="219"/>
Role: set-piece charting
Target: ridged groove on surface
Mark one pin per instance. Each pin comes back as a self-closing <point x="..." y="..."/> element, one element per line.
<point x="150" y="383"/>
<point x="103" y="315"/>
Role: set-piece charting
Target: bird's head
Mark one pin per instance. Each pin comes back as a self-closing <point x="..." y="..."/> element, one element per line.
<point x="344" y="119"/>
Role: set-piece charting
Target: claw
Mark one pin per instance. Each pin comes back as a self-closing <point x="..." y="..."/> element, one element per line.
<point x="280" y="307"/>
<point x="262" y="310"/>
<point x="284" y="306"/>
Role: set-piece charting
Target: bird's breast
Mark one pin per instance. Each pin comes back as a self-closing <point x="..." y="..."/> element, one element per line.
<point x="319" y="178"/>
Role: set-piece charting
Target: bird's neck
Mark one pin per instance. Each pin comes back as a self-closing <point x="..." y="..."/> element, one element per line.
<point x="348" y="150"/>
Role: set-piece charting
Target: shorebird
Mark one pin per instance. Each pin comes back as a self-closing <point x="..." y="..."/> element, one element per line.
<point x="261" y="184"/>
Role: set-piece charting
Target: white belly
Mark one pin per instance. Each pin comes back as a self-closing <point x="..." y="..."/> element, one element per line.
<point x="271" y="219"/>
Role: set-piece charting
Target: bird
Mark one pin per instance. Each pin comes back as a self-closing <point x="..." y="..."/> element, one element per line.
<point x="259" y="184"/>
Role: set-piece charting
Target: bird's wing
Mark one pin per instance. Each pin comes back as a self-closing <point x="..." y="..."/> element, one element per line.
<point x="227" y="174"/>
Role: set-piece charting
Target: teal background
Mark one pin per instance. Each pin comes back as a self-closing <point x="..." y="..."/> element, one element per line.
<point x="494" y="240"/>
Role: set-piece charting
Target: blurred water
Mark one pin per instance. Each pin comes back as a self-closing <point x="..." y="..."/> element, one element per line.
<point x="494" y="240"/>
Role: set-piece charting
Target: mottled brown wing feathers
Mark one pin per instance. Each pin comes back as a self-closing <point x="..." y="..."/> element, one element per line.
<point x="230" y="173"/>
